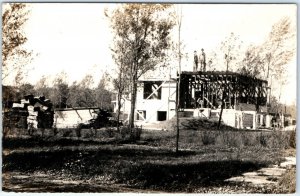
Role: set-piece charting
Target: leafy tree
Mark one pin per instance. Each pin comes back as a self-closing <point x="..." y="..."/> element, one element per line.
<point x="102" y="95"/>
<point x="42" y="88"/>
<point x="86" y="94"/>
<point x="142" y="38"/>
<point x="60" y="91"/>
<point x="25" y="89"/>
<point x="279" y="48"/>
<point x="74" y="92"/>
<point x="14" y="56"/>
<point x="80" y="94"/>
<point x="9" y="96"/>
<point x="269" y="60"/>
<point x="252" y="63"/>
<point x="120" y="84"/>
<point x="273" y="55"/>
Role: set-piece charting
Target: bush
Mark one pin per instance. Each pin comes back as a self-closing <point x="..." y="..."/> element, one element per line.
<point x="293" y="139"/>
<point x="110" y="132"/>
<point x="135" y="133"/>
<point x="208" y="138"/>
<point x="262" y="140"/>
<point x="78" y="130"/>
<point x="67" y="133"/>
<point x="235" y="139"/>
<point x="124" y="131"/>
<point x="248" y="139"/>
<point x="287" y="183"/>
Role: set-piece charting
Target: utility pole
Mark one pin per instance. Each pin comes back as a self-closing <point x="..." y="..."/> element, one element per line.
<point x="178" y="82"/>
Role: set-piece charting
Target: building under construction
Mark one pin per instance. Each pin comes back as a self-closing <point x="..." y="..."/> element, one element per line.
<point x="208" y="89"/>
<point x="201" y="94"/>
<point x="244" y="98"/>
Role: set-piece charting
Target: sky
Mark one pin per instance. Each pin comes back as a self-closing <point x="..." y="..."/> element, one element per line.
<point x="76" y="38"/>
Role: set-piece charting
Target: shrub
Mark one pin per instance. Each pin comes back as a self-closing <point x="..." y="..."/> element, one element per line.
<point x="55" y="131"/>
<point x="262" y="140"/>
<point x="287" y="183"/>
<point x="30" y="129"/>
<point x="235" y="139"/>
<point x="248" y="139"/>
<point x="293" y="139"/>
<point x="67" y="133"/>
<point x="135" y="133"/>
<point x="124" y="131"/>
<point x="208" y="138"/>
<point x="110" y="132"/>
<point x="78" y="130"/>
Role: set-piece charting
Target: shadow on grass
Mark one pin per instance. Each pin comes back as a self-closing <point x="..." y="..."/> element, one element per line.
<point x="183" y="177"/>
<point x="143" y="169"/>
<point x="37" y="141"/>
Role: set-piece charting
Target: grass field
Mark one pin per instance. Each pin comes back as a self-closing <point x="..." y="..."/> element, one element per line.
<point x="111" y="162"/>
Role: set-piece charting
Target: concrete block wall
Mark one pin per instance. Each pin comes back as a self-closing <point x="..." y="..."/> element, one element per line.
<point x="228" y="117"/>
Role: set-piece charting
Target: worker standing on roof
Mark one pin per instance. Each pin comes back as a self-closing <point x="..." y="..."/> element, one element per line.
<point x="195" y="68"/>
<point x="202" y="59"/>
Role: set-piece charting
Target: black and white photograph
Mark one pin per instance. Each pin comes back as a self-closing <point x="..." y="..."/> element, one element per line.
<point x="149" y="98"/>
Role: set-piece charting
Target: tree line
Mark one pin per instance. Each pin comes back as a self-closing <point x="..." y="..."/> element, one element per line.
<point x="63" y="95"/>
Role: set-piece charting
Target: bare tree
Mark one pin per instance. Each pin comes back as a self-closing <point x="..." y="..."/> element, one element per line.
<point x="141" y="40"/>
<point x="230" y="48"/>
<point x="212" y="61"/>
<point x="179" y="55"/>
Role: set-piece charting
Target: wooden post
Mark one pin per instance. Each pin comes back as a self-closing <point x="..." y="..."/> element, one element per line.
<point x="179" y="70"/>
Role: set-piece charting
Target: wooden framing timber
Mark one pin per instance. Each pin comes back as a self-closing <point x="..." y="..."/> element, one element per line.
<point x="205" y="89"/>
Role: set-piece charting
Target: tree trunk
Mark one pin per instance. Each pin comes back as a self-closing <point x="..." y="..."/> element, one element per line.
<point x="133" y="100"/>
<point x="119" y="109"/>
<point x="222" y="107"/>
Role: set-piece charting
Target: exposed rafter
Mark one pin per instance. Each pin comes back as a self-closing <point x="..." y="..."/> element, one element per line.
<point x="209" y="87"/>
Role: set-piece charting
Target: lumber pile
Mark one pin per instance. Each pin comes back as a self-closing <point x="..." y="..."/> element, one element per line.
<point x="31" y="112"/>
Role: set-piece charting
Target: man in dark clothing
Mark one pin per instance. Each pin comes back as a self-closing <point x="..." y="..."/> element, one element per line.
<point x="202" y="59"/>
<point x="195" y="68"/>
